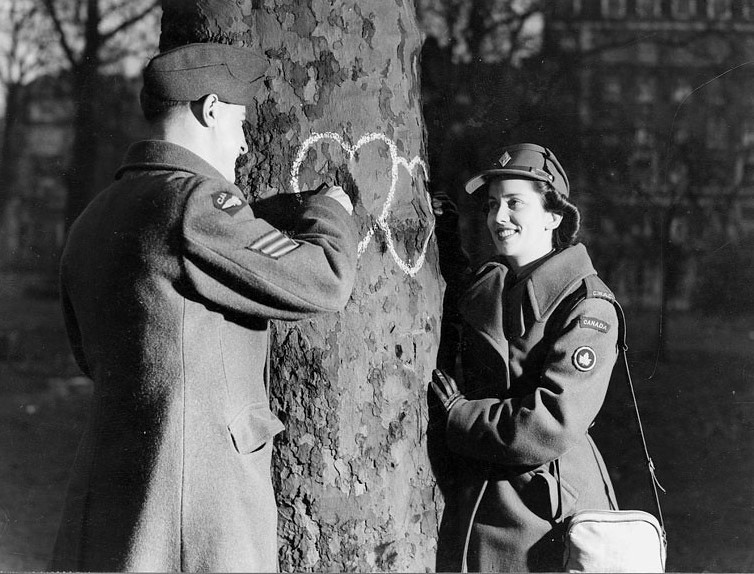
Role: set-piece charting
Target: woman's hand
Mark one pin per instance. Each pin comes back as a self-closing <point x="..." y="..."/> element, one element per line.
<point x="443" y="205"/>
<point x="446" y="389"/>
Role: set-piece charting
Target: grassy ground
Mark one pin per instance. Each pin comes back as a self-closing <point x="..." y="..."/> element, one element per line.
<point x="697" y="407"/>
<point x="42" y="411"/>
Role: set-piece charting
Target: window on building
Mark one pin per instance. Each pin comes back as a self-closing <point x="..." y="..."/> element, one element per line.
<point x="748" y="9"/>
<point x="613" y="8"/>
<point x="682" y="134"/>
<point x="681" y="90"/>
<point x="612" y="90"/>
<point x="566" y="8"/>
<point x="719" y="9"/>
<point x="644" y="136"/>
<point x="747" y="133"/>
<point x="642" y="168"/>
<point x="748" y="175"/>
<point x="646" y="90"/>
<point x="647" y="8"/>
<point x="717" y="133"/>
<point x="684" y="8"/>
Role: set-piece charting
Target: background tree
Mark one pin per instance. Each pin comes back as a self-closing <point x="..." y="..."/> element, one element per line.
<point x="94" y="35"/>
<point x="474" y="93"/>
<point x="354" y="483"/>
<point x="659" y="159"/>
<point x="25" y="52"/>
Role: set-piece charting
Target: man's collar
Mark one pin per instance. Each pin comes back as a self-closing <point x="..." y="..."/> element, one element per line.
<point x="161" y="154"/>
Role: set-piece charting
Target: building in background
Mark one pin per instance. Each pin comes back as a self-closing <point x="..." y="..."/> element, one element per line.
<point x="32" y="230"/>
<point x="661" y="99"/>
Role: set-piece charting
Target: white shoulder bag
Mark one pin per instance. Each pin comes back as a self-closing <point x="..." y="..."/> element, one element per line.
<point x="617" y="540"/>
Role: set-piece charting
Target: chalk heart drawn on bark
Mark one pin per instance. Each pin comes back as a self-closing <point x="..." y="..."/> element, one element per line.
<point x="381" y="222"/>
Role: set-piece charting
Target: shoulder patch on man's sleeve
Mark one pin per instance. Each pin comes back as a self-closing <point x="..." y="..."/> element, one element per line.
<point x="274" y="244"/>
<point x="226" y="202"/>
<point x="593" y="323"/>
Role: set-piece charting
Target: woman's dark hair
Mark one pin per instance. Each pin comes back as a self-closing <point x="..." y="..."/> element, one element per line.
<point x="155" y="108"/>
<point x="565" y="234"/>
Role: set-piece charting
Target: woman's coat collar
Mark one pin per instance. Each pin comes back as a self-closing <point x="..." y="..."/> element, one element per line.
<point x="482" y="305"/>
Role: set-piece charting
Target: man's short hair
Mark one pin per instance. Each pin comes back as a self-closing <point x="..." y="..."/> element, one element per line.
<point x="155" y="108"/>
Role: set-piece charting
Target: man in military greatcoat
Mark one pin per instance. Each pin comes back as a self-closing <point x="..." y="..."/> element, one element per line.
<point x="168" y="283"/>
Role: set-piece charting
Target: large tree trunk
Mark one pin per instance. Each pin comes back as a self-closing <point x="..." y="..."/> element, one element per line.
<point x="354" y="483"/>
<point x="10" y="148"/>
<point x="82" y="171"/>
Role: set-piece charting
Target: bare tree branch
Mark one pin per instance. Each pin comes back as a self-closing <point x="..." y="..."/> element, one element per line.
<point x="23" y="52"/>
<point x="513" y="22"/>
<point x="55" y="17"/>
<point x="119" y="6"/>
<point x="130" y="21"/>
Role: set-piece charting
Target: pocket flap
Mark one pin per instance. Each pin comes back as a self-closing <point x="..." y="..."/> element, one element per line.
<point x="253" y="427"/>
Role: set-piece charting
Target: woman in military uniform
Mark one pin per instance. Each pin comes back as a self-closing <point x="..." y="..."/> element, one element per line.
<point x="537" y="349"/>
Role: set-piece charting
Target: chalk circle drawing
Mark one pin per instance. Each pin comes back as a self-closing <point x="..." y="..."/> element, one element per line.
<point x="381" y="221"/>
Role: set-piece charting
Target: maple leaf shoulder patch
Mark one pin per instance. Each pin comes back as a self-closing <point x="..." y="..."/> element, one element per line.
<point x="584" y="359"/>
<point x="226" y="202"/>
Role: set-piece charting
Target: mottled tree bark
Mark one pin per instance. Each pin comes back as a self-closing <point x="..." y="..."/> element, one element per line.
<point x="354" y="484"/>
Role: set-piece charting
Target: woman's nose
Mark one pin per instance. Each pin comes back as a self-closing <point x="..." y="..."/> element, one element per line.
<point x="502" y="215"/>
<point x="244" y="147"/>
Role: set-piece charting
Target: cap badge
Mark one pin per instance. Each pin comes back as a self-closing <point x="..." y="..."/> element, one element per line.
<point x="584" y="359"/>
<point x="504" y="159"/>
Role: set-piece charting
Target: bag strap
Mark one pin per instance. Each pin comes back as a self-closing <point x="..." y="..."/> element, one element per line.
<point x="596" y="292"/>
<point x="622" y="348"/>
<point x="467" y="538"/>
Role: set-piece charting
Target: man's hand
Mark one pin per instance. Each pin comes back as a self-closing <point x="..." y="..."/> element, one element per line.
<point x="446" y="389"/>
<point x="337" y="193"/>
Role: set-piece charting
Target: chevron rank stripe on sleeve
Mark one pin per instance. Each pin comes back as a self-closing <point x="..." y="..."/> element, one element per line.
<point x="274" y="244"/>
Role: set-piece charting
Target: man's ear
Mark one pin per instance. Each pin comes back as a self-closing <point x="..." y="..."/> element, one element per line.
<point x="205" y="110"/>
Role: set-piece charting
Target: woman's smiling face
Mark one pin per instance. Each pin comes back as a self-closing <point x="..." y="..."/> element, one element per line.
<point x="521" y="228"/>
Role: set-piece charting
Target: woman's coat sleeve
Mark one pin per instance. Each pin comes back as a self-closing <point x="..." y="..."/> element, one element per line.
<point x="541" y="426"/>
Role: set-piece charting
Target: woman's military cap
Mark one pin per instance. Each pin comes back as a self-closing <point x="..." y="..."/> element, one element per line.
<point x="528" y="161"/>
<point x="190" y="72"/>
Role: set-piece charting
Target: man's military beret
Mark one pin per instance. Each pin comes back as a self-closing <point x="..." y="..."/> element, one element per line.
<point x="190" y="72"/>
<point x="528" y="161"/>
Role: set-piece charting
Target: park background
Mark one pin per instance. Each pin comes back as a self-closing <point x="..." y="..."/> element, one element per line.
<point x="649" y="104"/>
